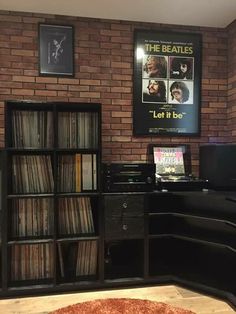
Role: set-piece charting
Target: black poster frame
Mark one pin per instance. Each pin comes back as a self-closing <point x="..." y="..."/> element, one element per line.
<point x="56" y="50"/>
<point x="175" y="109"/>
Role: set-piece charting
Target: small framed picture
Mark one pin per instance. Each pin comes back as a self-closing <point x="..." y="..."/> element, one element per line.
<point x="56" y="50"/>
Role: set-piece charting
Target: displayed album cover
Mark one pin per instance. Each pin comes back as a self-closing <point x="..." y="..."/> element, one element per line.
<point x="169" y="160"/>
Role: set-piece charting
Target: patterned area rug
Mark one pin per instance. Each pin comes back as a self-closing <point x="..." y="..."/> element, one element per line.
<point x="121" y="306"/>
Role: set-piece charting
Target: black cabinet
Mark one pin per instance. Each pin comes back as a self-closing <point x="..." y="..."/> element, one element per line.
<point x="59" y="232"/>
<point x="124" y="235"/>
<point x="182" y="237"/>
<point x="51" y="198"/>
<point x="192" y="239"/>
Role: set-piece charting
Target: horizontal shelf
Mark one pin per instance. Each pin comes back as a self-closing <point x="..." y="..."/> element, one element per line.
<point x="208" y="286"/>
<point x="207" y="204"/>
<point x="71" y="239"/>
<point x="79" y="283"/>
<point x="125" y="280"/>
<point x="40" y="237"/>
<point x="13" y="196"/>
<point x="123" y="214"/>
<point x="78" y="278"/>
<point x="195" y="262"/>
<point x="205" y="282"/>
<point x="193" y="216"/>
<point x="50" y="151"/>
<point x="29" y="287"/>
<point x="61" y="194"/>
<point x="193" y="226"/>
<point x="189" y="238"/>
<point x="72" y="151"/>
<point x="30" y="241"/>
<point x="64" y="239"/>
<point x="57" y="194"/>
<point x="33" y="150"/>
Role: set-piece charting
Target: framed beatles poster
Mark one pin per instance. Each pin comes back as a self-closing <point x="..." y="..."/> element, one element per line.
<point x="167" y="79"/>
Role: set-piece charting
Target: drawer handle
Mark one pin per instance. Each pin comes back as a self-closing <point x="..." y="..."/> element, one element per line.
<point x="125" y="227"/>
<point x="125" y="205"/>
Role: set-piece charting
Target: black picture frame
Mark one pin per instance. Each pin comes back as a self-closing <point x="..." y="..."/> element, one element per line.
<point x="166" y="102"/>
<point x="56" y="50"/>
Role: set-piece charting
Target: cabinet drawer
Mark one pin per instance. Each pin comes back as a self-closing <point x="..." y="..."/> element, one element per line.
<point x="124" y="227"/>
<point x="129" y="205"/>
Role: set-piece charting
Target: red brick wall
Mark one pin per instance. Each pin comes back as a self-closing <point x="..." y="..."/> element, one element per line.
<point x="103" y="73"/>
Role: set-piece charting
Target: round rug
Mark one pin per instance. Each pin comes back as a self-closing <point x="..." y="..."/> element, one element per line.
<point x="121" y="306"/>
